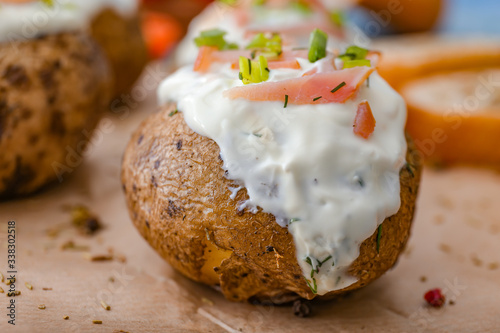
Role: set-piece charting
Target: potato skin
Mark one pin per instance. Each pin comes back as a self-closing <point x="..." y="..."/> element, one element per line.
<point x="121" y="40"/>
<point x="178" y="199"/>
<point x="53" y="91"/>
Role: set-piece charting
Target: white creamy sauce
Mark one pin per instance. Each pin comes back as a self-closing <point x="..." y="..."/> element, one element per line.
<point x="303" y="163"/>
<point x="29" y="20"/>
<point x="219" y="15"/>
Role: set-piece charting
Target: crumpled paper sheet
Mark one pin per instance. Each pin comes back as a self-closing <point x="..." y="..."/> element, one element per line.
<point x="455" y="246"/>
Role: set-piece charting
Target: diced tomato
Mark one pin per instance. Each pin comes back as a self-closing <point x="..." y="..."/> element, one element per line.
<point x="306" y="90"/>
<point x="364" y="122"/>
<point x="160" y="32"/>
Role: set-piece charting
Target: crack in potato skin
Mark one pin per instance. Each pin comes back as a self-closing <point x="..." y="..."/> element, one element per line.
<point x="192" y="180"/>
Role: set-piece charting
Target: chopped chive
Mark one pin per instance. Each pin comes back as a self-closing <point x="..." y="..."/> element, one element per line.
<point x="325" y="260"/>
<point x="173" y="113"/>
<point x="249" y="66"/>
<point x="317" y="45"/>
<point x="240" y="76"/>
<point x="293" y="220"/>
<point x="214" y="37"/>
<point x="354" y="53"/>
<point x="315" y="289"/>
<point x="379" y="236"/>
<point x="368" y="82"/>
<point x="267" y="69"/>
<point x="316" y="98"/>
<point x="338" y="87"/>
<point x="357" y="63"/>
<point x="252" y="55"/>
<point x="286" y="101"/>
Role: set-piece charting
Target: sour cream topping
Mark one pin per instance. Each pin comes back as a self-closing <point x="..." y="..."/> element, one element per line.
<point x="29" y="20"/>
<point x="303" y="163"/>
<point x="224" y="17"/>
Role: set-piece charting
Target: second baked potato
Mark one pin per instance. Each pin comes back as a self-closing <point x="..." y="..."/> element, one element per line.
<point x="53" y="91"/>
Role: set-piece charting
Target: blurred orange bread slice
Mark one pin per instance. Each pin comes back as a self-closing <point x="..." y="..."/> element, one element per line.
<point x="407" y="57"/>
<point x="454" y="117"/>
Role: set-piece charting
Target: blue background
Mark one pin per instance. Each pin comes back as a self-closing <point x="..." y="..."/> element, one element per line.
<point x="459" y="17"/>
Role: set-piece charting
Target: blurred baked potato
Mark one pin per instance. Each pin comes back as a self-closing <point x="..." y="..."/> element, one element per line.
<point x="53" y="90"/>
<point x="121" y="39"/>
<point x="179" y="200"/>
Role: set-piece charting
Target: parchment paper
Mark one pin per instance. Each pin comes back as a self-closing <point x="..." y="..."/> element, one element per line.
<point x="455" y="246"/>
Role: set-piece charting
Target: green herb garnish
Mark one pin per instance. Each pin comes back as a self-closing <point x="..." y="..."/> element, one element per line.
<point x="286" y="103"/>
<point x="228" y="2"/>
<point x="48" y="3"/>
<point x="173" y="113"/>
<point x="379" y="236"/>
<point x="253" y="71"/>
<point x="317" y="45"/>
<point x="316" y="98"/>
<point x="214" y="37"/>
<point x="315" y="289"/>
<point x="338" y="87"/>
<point x="338" y="18"/>
<point x="320" y="263"/>
<point x="268" y="47"/>
<point x="357" y="63"/>
<point x="354" y="53"/>
<point x="301" y="6"/>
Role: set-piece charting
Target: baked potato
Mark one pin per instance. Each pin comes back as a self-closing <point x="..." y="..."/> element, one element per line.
<point x="121" y="40"/>
<point x="53" y="90"/>
<point x="179" y="200"/>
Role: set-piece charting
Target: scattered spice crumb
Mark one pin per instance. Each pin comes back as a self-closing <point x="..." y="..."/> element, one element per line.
<point x="438" y="219"/>
<point x="45" y="288"/>
<point x="476" y="261"/>
<point x="105" y="306"/>
<point x="41" y="306"/>
<point x="445" y="202"/>
<point x="492" y="266"/>
<point x="1" y="277"/>
<point x="445" y="248"/>
<point x="452" y="302"/>
<point x="14" y="293"/>
<point x="97" y="322"/>
<point x="99" y="257"/>
<point x="10" y="281"/>
<point x="1" y="290"/>
<point x="301" y="308"/>
<point x="29" y="286"/>
<point x="87" y="222"/>
<point x="435" y="298"/>
<point x="111" y="279"/>
<point x="120" y="331"/>
<point x="70" y="245"/>
<point x="207" y="301"/>
<point x="423" y="278"/>
<point x="66" y="317"/>
<point x="121" y="258"/>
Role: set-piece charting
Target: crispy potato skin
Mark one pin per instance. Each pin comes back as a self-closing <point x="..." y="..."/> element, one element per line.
<point x="178" y="199"/>
<point x="53" y="91"/>
<point x="122" y="42"/>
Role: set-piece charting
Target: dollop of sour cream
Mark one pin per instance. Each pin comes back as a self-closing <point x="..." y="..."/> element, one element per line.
<point x="31" y="19"/>
<point x="303" y="163"/>
<point x="224" y="17"/>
